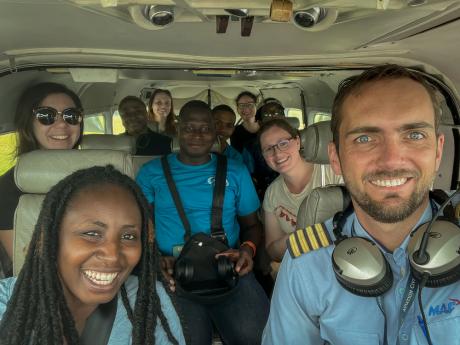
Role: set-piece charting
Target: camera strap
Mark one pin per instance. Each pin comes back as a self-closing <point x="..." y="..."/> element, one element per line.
<point x="217" y="230"/>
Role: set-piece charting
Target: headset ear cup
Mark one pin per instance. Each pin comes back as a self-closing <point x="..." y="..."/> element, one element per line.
<point x="369" y="291"/>
<point x="224" y="268"/>
<point x="442" y="251"/>
<point x="440" y="280"/>
<point x="361" y="268"/>
<point x="183" y="271"/>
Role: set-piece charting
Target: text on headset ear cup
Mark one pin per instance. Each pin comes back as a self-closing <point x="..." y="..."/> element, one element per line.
<point x="443" y="250"/>
<point x="361" y="268"/>
<point x="183" y="271"/>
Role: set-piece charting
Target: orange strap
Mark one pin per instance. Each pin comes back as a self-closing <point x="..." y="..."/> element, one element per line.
<point x="251" y="245"/>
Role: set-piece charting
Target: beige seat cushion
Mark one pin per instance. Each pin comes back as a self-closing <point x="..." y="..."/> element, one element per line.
<point x="37" y="171"/>
<point x="122" y="142"/>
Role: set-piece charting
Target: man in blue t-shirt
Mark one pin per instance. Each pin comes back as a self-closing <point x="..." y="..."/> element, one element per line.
<point x="240" y="318"/>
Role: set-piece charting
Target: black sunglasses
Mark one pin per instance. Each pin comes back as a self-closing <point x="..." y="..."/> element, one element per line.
<point x="48" y="115"/>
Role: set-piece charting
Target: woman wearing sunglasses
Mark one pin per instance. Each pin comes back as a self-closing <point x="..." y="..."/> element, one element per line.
<point x="280" y="145"/>
<point x="48" y="116"/>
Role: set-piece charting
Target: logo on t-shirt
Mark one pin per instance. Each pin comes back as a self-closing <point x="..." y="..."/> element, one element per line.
<point x="286" y="215"/>
<point x="211" y="180"/>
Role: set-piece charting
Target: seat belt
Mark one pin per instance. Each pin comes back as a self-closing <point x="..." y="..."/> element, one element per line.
<point x="98" y="326"/>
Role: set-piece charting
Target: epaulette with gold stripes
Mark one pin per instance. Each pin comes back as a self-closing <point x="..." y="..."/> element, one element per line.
<point x="311" y="238"/>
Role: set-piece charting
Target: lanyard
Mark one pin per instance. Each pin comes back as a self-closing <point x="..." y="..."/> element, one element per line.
<point x="408" y="298"/>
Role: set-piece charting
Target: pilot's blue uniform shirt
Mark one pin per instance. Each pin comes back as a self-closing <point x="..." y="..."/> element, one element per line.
<point x="195" y="185"/>
<point x="310" y="307"/>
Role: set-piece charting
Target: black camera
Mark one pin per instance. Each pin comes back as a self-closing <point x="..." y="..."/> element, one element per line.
<point x="199" y="274"/>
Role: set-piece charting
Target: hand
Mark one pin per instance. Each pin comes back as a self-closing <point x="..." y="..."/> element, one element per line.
<point x="167" y="268"/>
<point x="242" y="258"/>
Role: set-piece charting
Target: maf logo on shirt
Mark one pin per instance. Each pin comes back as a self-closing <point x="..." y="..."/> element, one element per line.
<point x="443" y="308"/>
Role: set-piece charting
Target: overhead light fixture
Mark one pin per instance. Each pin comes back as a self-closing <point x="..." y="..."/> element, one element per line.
<point x="309" y="18"/>
<point x="280" y="10"/>
<point x="237" y="12"/>
<point x="159" y="15"/>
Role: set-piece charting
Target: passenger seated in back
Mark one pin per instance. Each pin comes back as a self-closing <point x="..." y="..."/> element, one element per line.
<point x="240" y="316"/>
<point x="224" y="118"/>
<point x="280" y="145"/>
<point x="94" y="228"/>
<point x="134" y="117"/>
<point x="49" y="116"/>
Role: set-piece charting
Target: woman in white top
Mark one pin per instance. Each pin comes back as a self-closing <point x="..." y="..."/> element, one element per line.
<point x="280" y="144"/>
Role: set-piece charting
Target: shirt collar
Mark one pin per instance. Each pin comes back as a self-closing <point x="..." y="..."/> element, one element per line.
<point x="358" y="230"/>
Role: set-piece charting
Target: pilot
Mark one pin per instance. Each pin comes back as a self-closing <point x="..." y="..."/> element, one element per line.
<point x="388" y="148"/>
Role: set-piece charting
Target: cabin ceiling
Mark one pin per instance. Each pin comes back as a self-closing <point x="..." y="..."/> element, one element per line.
<point x="109" y="32"/>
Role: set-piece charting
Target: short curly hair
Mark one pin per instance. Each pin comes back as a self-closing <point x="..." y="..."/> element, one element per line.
<point x="353" y="84"/>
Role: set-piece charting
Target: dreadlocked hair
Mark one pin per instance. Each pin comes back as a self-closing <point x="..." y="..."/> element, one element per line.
<point x="37" y="312"/>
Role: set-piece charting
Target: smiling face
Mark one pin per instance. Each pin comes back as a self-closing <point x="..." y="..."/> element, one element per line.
<point x="161" y="106"/>
<point x="281" y="161"/>
<point x="59" y="135"/>
<point x="225" y="124"/>
<point x="246" y="107"/>
<point x="99" y="244"/>
<point x="388" y="148"/>
<point x="196" y="136"/>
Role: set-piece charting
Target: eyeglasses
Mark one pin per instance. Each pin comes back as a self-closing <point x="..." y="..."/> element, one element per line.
<point x="281" y="145"/>
<point x="48" y="115"/>
<point x="246" y="105"/>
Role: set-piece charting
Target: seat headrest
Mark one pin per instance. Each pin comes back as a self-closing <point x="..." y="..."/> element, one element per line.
<point x="124" y="143"/>
<point x="37" y="171"/>
<point x="315" y="139"/>
<point x="321" y="204"/>
<point x="293" y="122"/>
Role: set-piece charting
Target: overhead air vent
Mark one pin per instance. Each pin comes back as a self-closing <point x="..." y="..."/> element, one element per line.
<point x="159" y="15"/>
<point x="314" y="18"/>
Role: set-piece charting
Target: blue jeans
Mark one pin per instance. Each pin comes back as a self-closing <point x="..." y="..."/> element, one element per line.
<point x="240" y="319"/>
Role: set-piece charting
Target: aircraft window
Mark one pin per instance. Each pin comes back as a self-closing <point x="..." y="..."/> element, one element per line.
<point x="94" y="124"/>
<point x="295" y="112"/>
<point x="319" y="116"/>
<point x="7" y="151"/>
<point x="117" y="125"/>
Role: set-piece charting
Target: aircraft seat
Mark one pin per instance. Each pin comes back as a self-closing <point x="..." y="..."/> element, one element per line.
<point x="37" y="171"/>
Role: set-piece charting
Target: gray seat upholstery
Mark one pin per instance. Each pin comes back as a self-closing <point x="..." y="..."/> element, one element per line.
<point x="293" y="121"/>
<point x="37" y="171"/>
<point x="323" y="202"/>
<point x="124" y="143"/>
<point x="139" y="161"/>
<point x="315" y="139"/>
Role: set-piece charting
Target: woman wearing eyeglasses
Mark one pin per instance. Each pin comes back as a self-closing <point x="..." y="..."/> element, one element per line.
<point x="48" y="116"/>
<point x="246" y="132"/>
<point x="280" y="145"/>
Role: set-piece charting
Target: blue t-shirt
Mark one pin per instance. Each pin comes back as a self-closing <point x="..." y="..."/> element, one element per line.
<point x="195" y="185"/>
<point x="231" y="153"/>
<point x="122" y="328"/>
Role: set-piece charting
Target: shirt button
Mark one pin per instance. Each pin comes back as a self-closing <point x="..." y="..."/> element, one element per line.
<point x="404" y="337"/>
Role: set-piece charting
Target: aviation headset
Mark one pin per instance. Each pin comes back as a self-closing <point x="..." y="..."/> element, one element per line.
<point x="434" y="254"/>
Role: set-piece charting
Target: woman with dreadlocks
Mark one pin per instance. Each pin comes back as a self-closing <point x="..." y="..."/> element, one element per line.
<point x="92" y="231"/>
